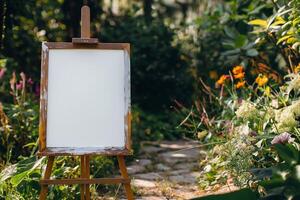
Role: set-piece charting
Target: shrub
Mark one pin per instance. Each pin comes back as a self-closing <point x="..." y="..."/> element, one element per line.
<point x="159" y="75"/>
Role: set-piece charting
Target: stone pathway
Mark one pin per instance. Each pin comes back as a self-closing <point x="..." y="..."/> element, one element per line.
<point x="167" y="170"/>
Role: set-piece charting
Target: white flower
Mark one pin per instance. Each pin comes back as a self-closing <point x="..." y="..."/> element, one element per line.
<point x="295" y="108"/>
<point x="243" y="130"/>
<point x="247" y="111"/>
<point x="285" y="120"/>
<point x="294" y="83"/>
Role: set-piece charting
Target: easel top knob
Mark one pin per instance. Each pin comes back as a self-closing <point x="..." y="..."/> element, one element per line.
<point x="85" y="28"/>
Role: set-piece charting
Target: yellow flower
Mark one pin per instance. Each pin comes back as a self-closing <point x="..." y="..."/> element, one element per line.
<point x="222" y="79"/>
<point x="261" y="80"/>
<point x="239" y="76"/>
<point x="240" y="84"/>
<point x="213" y="74"/>
<point x="237" y="70"/>
<point x="267" y="91"/>
<point x="297" y="69"/>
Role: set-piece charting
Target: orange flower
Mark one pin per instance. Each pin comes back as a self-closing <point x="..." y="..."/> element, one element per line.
<point x="239" y="76"/>
<point x="240" y="84"/>
<point x="213" y="74"/>
<point x="263" y="66"/>
<point x="237" y="70"/>
<point x="297" y="69"/>
<point x="261" y="80"/>
<point x="222" y="79"/>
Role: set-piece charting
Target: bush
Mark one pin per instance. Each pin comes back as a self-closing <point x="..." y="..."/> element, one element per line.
<point x="159" y="75"/>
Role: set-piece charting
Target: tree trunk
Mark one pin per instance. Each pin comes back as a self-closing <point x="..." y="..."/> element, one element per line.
<point x="2" y="14"/>
<point x="148" y="10"/>
<point x="71" y="10"/>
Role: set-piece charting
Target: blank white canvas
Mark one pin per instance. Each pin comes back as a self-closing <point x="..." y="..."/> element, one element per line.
<point x="86" y="98"/>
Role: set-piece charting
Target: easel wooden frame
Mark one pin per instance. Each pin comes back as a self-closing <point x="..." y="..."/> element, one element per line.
<point x="85" y="42"/>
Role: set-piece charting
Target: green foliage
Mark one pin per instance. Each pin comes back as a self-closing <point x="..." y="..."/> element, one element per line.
<point x="223" y="38"/>
<point x="249" y="117"/>
<point x="282" y="31"/>
<point x="283" y="184"/>
<point x="285" y="180"/>
<point x="159" y="75"/>
<point x="147" y="126"/>
<point x="19" y="121"/>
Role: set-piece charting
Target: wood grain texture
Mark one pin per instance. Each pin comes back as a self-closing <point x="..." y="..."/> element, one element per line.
<point x="103" y="181"/>
<point x="85" y="22"/>
<point x="65" y="151"/>
<point x="70" y="45"/>
<point x="43" y="97"/>
<point x="123" y="170"/>
<point x="44" y="189"/>
<point x="85" y="40"/>
<point x="82" y="175"/>
<point x="87" y="176"/>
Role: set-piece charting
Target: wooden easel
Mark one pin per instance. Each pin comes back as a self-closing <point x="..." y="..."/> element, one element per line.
<point x="85" y="179"/>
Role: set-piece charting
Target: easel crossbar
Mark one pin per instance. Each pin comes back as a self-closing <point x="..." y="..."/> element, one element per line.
<point x="84" y="181"/>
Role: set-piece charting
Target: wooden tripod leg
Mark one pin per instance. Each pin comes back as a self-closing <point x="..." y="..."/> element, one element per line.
<point x="124" y="174"/>
<point x="82" y="175"/>
<point x="87" y="175"/>
<point x="44" y="189"/>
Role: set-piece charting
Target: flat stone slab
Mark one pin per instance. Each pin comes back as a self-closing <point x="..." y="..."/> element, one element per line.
<point x="190" y="165"/>
<point x="149" y="176"/>
<point x="162" y="167"/>
<point x="178" y="144"/>
<point x="181" y="156"/>
<point x="188" y="178"/>
<point x="179" y="172"/>
<point x="143" y="183"/>
<point x="133" y="169"/>
<point x="144" y="162"/>
<point x="151" y="149"/>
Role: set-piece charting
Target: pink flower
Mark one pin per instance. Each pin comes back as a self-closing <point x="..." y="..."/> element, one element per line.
<point x="37" y="90"/>
<point x="19" y="85"/>
<point x="2" y="71"/>
<point x="30" y="81"/>
<point x="13" y="81"/>
<point x="282" y="138"/>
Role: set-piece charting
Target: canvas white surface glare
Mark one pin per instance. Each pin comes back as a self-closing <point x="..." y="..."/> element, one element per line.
<point x="86" y="98"/>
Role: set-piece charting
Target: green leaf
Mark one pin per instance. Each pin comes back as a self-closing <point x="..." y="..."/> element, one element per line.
<point x="21" y="170"/>
<point x="274" y="182"/>
<point x="230" y="32"/>
<point x="252" y="52"/>
<point x="18" y="178"/>
<point x="283" y="39"/>
<point x="288" y="153"/>
<point x="259" y="22"/>
<point x="240" y="41"/>
<point x="231" y="52"/>
<point x="278" y="21"/>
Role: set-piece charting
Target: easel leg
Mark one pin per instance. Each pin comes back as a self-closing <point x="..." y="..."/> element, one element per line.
<point x="124" y="174"/>
<point x="44" y="189"/>
<point x="87" y="175"/>
<point x="82" y="175"/>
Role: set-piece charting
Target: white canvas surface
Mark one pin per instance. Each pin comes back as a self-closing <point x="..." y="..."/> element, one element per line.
<point x="86" y="98"/>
